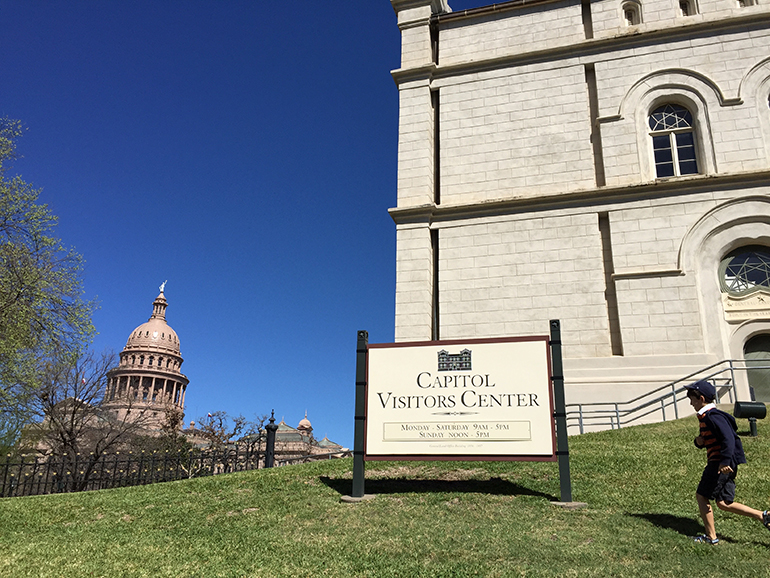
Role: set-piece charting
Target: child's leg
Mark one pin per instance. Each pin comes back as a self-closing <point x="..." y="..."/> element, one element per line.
<point x="707" y="515"/>
<point x="737" y="508"/>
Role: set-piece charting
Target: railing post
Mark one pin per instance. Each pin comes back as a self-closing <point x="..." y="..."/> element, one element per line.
<point x="732" y="377"/>
<point x="617" y="414"/>
<point x="676" y="405"/>
<point x="580" y="417"/>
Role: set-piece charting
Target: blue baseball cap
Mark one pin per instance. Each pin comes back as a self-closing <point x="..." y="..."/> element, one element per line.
<point x="704" y="388"/>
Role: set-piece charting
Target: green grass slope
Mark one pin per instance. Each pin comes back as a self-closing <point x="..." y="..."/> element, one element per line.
<point x="428" y="519"/>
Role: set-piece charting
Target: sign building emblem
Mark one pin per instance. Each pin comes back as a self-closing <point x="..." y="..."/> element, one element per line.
<point x="454" y="361"/>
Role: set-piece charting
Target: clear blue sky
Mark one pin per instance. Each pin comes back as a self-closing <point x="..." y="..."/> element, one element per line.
<point x="245" y="152"/>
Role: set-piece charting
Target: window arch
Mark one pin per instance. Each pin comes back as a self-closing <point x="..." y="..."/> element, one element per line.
<point x="673" y="141"/>
<point x="632" y="13"/>
<point x="745" y="270"/>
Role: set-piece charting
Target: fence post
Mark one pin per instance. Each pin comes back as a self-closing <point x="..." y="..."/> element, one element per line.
<point x="5" y="475"/>
<point x="270" y="449"/>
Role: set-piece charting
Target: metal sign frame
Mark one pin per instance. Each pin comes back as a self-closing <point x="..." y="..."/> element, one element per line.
<point x="556" y="411"/>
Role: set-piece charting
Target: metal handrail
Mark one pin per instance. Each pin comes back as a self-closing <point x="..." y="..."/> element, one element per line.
<point x="617" y="414"/>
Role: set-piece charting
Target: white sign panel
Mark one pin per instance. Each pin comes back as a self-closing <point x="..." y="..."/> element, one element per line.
<point x="476" y="399"/>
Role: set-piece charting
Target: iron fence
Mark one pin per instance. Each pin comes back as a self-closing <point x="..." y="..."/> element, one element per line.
<point x="33" y="474"/>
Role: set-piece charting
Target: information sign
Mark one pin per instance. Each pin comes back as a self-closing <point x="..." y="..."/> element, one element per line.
<point x="484" y="399"/>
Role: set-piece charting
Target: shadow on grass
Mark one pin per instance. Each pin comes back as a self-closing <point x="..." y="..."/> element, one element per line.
<point x="685" y="526"/>
<point x="495" y="486"/>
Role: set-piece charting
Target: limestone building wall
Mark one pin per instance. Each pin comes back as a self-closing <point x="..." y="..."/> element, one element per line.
<point x="528" y="188"/>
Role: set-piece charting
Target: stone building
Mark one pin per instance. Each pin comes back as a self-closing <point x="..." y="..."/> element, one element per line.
<point x="601" y="162"/>
<point x="292" y="443"/>
<point x="148" y="378"/>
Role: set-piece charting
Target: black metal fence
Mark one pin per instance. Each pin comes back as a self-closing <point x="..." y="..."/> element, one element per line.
<point x="32" y="474"/>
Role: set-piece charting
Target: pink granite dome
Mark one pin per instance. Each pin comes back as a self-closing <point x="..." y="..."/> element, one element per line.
<point x="155" y="334"/>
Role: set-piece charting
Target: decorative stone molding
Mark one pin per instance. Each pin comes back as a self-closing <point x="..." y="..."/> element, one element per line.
<point x="747" y="307"/>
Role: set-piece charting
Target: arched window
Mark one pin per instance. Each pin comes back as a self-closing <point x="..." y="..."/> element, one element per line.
<point x="673" y="141"/>
<point x="632" y="13"/>
<point x="745" y="270"/>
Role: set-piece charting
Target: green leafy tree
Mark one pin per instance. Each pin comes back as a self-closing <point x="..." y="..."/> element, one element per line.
<point x="42" y="310"/>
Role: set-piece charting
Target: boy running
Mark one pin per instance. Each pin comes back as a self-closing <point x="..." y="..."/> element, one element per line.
<point x="724" y="453"/>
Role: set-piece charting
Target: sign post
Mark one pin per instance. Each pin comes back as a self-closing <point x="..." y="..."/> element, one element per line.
<point x="560" y="412"/>
<point x="360" y="425"/>
<point x="494" y="399"/>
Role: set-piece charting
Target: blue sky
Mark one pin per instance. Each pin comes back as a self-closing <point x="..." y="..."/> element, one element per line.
<point x="243" y="151"/>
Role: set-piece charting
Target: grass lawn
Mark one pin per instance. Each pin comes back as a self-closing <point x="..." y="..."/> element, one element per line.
<point x="428" y="519"/>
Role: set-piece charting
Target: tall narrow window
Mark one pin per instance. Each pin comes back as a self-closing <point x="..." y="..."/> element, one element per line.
<point x="673" y="141"/>
<point x="686" y="8"/>
<point x="632" y="13"/>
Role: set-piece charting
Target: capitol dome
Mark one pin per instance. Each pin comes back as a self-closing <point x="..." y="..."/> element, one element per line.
<point x="155" y="334"/>
<point x="148" y="378"/>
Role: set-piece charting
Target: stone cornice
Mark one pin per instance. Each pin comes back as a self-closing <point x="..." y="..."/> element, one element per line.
<point x="404" y="75"/>
<point x="484" y="10"/>
<point x="645" y="274"/>
<point x="431" y="213"/>
<point x="586" y="48"/>
<point x="138" y="372"/>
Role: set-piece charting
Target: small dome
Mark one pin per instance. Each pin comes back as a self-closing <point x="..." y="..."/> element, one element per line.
<point x="305" y="423"/>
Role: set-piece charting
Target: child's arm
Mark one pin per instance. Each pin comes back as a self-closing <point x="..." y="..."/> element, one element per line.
<point x="700" y="443"/>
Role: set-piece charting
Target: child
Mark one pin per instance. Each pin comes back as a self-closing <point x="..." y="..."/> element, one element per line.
<point x="724" y="453"/>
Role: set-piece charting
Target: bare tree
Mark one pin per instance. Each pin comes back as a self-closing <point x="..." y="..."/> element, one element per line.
<point x="67" y="402"/>
<point x="221" y="429"/>
<point x="226" y="434"/>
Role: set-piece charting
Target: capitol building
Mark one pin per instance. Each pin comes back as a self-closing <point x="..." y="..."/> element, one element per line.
<point x="148" y="383"/>
<point x="149" y="378"/>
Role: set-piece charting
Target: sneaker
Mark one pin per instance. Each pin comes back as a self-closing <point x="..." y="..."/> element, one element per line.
<point x="766" y="519"/>
<point x="703" y="539"/>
